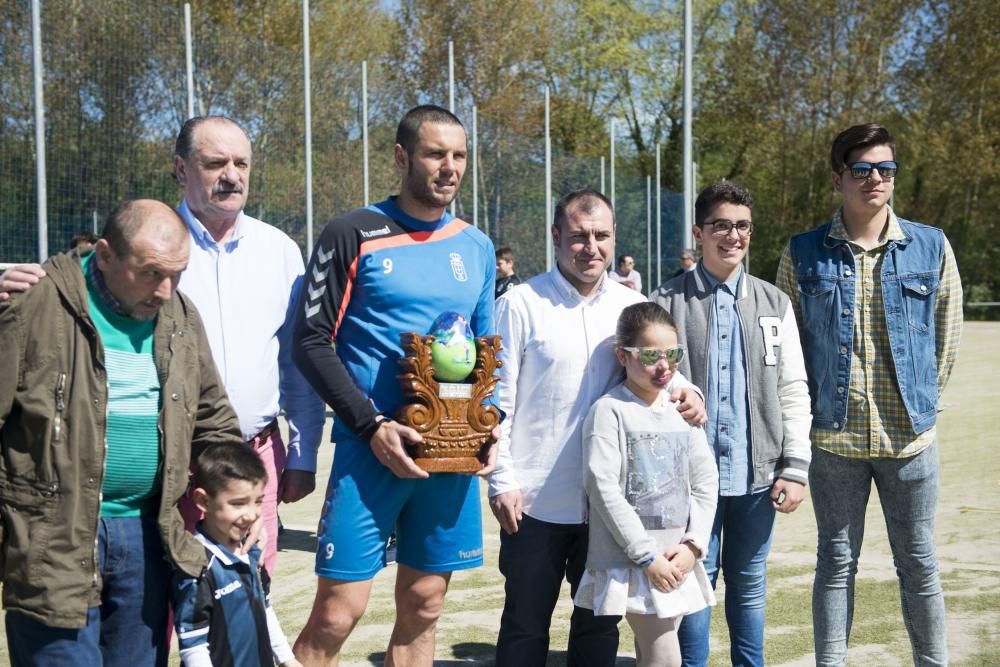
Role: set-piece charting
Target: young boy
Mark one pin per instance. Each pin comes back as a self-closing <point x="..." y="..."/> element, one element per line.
<point x="506" y="278"/>
<point x="224" y="616"/>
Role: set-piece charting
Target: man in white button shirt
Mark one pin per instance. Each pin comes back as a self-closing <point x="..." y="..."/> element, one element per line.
<point x="243" y="276"/>
<point x="558" y="358"/>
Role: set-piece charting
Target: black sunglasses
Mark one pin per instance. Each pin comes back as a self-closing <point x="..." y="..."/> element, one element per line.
<point x="862" y="170"/>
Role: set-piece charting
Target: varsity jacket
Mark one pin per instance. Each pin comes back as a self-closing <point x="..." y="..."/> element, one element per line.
<point x="53" y="416"/>
<point x="776" y="374"/>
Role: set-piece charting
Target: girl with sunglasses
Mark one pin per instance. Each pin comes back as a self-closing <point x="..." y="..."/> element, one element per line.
<point x="652" y="485"/>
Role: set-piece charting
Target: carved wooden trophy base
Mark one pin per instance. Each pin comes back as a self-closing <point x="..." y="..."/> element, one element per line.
<point x="450" y="416"/>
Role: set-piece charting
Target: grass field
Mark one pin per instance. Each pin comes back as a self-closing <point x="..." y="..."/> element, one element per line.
<point x="968" y="539"/>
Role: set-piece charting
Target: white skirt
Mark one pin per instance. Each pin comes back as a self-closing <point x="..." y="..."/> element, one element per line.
<point x="622" y="590"/>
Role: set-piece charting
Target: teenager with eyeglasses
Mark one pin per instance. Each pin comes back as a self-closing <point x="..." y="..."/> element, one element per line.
<point x="879" y="302"/>
<point x="742" y="350"/>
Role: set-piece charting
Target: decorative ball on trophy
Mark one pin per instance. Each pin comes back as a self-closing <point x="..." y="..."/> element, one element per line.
<point x="447" y="377"/>
<point x="453" y="352"/>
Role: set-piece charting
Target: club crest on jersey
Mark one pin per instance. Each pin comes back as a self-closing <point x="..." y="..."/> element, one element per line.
<point x="458" y="267"/>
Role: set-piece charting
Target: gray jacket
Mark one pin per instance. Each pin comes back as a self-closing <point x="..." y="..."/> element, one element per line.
<point x="776" y="374"/>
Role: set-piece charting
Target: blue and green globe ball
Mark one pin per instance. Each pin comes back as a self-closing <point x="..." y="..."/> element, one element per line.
<point x="453" y="352"/>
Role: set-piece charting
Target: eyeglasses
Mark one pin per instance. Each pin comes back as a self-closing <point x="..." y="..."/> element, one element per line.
<point x="722" y="227"/>
<point x="649" y="356"/>
<point x="863" y="170"/>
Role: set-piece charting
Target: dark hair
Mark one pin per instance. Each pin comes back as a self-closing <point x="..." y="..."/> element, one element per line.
<point x="859" y="136"/>
<point x="123" y="223"/>
<point x="622" y="258"/>
<point x="635" y="318"/>
<point x="224" y="462"/>
<point x="185" y="138"/>
<point x="720" y="192"/>
<point x="84" y="237"/>
<point x="588" y="200"/>
<point x="505" y="253"/>
<point x="407" y="134"/>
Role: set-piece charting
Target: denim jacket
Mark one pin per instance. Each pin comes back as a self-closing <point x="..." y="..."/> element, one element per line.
<point x="910" y="279"/>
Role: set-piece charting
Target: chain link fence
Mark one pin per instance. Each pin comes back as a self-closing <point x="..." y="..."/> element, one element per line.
<point x="115" y="96"/>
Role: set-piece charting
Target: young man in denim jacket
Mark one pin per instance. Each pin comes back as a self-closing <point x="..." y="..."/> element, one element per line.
<point x="879" y="305"/>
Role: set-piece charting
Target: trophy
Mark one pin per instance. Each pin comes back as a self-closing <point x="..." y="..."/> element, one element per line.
<point x="445" y="379"/>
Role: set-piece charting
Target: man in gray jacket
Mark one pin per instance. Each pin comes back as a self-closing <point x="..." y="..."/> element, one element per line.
<point x="744" y="353"/>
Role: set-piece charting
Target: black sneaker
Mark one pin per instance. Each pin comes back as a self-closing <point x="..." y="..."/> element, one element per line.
<point x="390" y="550"/>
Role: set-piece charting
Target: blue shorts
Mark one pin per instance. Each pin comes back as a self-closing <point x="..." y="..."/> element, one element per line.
<point x="437" y="521"/>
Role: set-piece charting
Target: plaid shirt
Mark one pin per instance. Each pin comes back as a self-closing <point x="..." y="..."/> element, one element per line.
<point x="96" y="279"/>
<point x="878" y="425"/>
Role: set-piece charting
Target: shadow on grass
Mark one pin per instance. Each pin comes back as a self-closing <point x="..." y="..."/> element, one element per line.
<point x="466" y="653"/>
<point x="481" y="653"/>
<point x="291" y="539"/>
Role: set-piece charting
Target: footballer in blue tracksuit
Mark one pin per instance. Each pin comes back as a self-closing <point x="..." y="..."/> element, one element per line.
<point x="374" y="273"/>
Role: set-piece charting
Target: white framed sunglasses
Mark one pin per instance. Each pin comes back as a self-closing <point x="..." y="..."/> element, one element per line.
<point x="649" y="356"/>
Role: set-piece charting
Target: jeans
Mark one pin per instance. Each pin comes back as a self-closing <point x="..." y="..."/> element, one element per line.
<point x="534" y="561"/>
<point x="740" y="542"/>
<point x="129" y="629"/>
<point x="908" y="489"/>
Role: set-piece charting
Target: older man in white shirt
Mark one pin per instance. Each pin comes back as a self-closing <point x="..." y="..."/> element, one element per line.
<point x="244" y="276"/>
<point x="558" y="358"/>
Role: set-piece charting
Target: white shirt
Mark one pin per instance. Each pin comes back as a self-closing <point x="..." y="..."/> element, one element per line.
<point x="245" y="291"/>
<point x="558" y="358"/>
<point x="633" y="275"/>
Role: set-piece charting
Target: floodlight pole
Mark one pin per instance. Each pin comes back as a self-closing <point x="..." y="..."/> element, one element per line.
<point x="307" y="103"/>
<point x="364" y="124"/>
<point x="451" y="94"/>
<point x="602" y="175"/>
<point x="659" y="227"/>
<point x="475" y="170"/>
<point x="548" y="186"/>
<point x="41" y="186"/>
<point x="189" y="58"/>
<point x="611" y="139"/>
<point x="688" y="219"/>
<point x="649" y="234"/>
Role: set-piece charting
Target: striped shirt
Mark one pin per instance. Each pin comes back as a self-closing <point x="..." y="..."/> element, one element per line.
<point x="133" y="441"/>
<point x="878" y="425"/>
